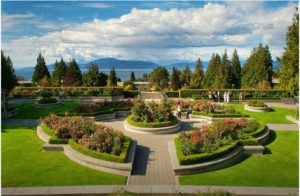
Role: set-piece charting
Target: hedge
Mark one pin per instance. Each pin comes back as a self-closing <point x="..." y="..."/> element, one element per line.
<point x="249" y="142"/>
<point x="203" y="157"/>
<point x="131" y="93"/>
<point x="173" y="94"/>
<point x="150" y="124"/>
<point x="212" y="115"/>
<point x="247" y="94"/>
<point x="68" y="91"/>
<point x="56" y="140"/>
<point x="260" y="129"/>
<point x="103" y="156"/>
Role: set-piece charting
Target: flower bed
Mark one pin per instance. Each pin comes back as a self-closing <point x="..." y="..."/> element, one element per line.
<point x="151" y="117"/>
<point x="91" y="139"/>
<point x="215" y="140"/>
<point x="47" y="100"/>
<point x="256" y="106"/>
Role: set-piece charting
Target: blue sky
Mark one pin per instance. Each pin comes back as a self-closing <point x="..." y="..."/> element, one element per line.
<point x="162" y="32"/>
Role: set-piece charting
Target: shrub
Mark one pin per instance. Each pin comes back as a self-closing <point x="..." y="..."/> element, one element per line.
<point x="150" y="124"/>
<point x="47" y="100"/>
<point x="56" y="140"/>
<point x="256" y="103"/>
<point x="151" y="112"/>
<point x="131" y="93"/>
<point x="172" y="93"/>
<point x="220" y="133"/>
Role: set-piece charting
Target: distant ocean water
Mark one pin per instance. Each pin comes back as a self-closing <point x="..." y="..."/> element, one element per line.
<point x="124" y="74"/>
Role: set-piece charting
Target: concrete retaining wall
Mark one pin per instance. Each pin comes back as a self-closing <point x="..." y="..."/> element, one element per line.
<point x="256" y="109"/>
<point x="161" y="130"/>
<point x="49" y="105"/>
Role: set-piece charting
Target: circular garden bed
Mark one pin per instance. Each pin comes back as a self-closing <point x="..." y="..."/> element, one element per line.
<point x="152" y="118"/>
<point x="256" y="106"/>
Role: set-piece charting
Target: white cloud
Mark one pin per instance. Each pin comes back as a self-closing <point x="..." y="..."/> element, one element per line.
<point x="96" y="5"/>
<point x="11" y="22"/>
<point x="159" y="35"/>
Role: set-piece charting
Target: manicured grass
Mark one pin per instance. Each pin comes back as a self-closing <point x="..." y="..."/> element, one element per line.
<point x="277" y="168"/>
<point x="29" y="111"/>
<point x="277" y="115"/>
<point x="25" y="164"/>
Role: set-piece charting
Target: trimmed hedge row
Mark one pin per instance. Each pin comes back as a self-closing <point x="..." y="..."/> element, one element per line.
<point x="150" y="124"/>
<point x="260" y="129"/>
<point x="131" y="93"/>
<point x="68" y="91"/>
<point x="247" y="94"/>
<point x="103" y="156"/>
<point x="203" y="157"/>
<point x="172" y="94"/>
<point x="56" y="140"/>
<point x="219" y="115"/>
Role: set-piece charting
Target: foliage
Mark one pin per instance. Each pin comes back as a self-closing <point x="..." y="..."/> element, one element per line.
<point x="185" y="76"/>
<point x="93" y="77"/>
<point x="131" y="121"/>
<point x="69" y="91"/>
<point x="59" y="72"/>
<point x="263" y="85"/>
<point x="8" y="76"/>
<point x="172" y="93"/>
<point x="40" y="70"/>
<point x="256" y="103"/>
<point x="218" y="134"/>
<point x="289" y="71"/>
<point x="73" y="75"/>
<point x="112" y="78"/>
<point x="213" y="69"/>
<point x="151" y="112"/>
<point x="131" y="93"/>
<point x="128" y="85"/>
<point x="47" y="97"/>
<point x="236" y="69"/>
<point x="86" y="133"/>
<point x="258" y="67"/>
<point x="132" y="76"/>
<point x="225" y="72"/>
<point x="175" y="80"/>
<point x="207" y="107"/>
<point x="160" y="77"/>
<point x="198" y="75"/>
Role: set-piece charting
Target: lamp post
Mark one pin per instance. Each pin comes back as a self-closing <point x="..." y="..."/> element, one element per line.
<point x="94" y="84"/>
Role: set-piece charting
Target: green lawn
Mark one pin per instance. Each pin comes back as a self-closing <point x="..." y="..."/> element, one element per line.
<point x="277" y="168"/>
<point x="277" y="115"/>
<point x="29" y="111"/>
<point x="25" y="164"/>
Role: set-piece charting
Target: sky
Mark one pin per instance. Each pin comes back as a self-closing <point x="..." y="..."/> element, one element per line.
<point x="163" y="32"/>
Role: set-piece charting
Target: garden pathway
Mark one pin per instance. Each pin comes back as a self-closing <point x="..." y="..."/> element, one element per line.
<point x="152" y="164"/>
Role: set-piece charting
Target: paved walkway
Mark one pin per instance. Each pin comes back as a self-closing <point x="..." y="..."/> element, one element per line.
<point x="152" y="164"/>
<point x="284" y="127"/>
<point x="148" y="190"/>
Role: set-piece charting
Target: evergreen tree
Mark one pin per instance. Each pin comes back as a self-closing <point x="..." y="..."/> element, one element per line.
<point x="226" y="71"/>
<point x="258" y="67"/>
<point x="113" y="80"/>
<point x="289" y="71"/>
<point x="58" y="73"/>
<point x="185" y="76"/>
<point x="103" y="79"/>
<point x="220" y="74"/>
<point x="8" y="81"/>
<point x="175" y="80"/>
<point x="73" y="75"/>
<point x="198" y="75"/>
<point x="40" y="70"/>
<point x="160" y="77"/>
<point x="92" y="76"/>
<point x="8" y="76"/>
<point x="209" y="75"/>
<point x="132" y="77"/>
<point x="236" y="69"/>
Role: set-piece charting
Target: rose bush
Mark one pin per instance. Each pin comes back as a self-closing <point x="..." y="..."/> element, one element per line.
<point x="220" y="133"/>
<point x="86" y="133"/>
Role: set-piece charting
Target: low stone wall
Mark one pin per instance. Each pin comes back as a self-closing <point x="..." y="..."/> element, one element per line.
<point x="210" y="119"/>
<point x="109" y="116"/>
<point x="160" y="130"/>
<point x="49" y="105"/>
<point x="264" y="136"/>
<point x="256" y="109"/>
<point x="93" y="163"/>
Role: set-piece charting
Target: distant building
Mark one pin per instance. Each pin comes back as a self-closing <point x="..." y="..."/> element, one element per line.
<point x="24" y="83"/>
<point x="275" y="82"/>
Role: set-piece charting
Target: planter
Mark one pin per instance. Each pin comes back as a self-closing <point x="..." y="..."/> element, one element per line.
<point x="256" y="109"/>
<point x="91" y="162"/>
<point x="211" y="119"/>
<point x="102" y="117"/>
<point x="48" y="105"/>
<point x="160" y="130"/>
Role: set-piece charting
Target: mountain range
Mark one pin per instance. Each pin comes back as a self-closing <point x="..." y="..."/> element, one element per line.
<point x="109" y="63"/>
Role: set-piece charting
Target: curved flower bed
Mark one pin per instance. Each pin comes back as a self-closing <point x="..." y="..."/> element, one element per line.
<point x="86" y="137"/>
<point x="256" y="106"/>
<point x="215" y="140"/>
<point x="153" y="117"/>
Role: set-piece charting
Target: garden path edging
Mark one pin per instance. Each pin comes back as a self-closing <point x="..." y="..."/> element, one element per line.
<point x="256" y="109"/>
<point x="48" y="105"/>
<point x="158" y="130"/>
